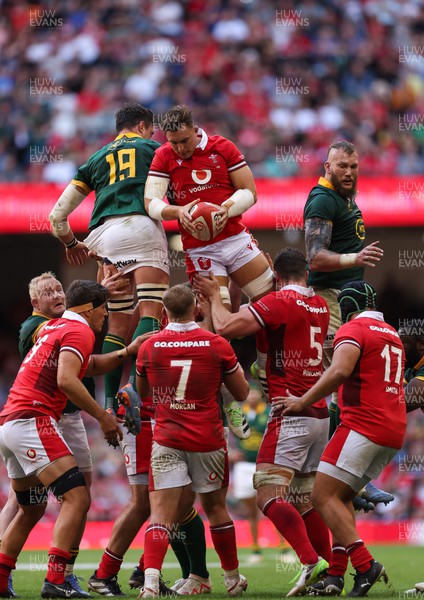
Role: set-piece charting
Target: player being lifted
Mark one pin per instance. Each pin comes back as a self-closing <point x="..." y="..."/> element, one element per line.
<point x="121" y="230"/>
<point x="196" y="167"/>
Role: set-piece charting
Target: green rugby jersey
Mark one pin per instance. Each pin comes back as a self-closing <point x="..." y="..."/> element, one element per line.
<point x="416" y="372"/>
<point x="257" y="420"/>
<point x="117" y="173"/>
<point x="347" y="236"/>
<point x="28" y="332"/>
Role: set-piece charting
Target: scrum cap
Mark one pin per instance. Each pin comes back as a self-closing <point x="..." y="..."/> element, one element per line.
<point x="356" y="296"/>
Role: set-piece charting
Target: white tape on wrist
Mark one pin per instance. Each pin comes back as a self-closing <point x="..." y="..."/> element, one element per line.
<point x="242" y="199"/>
<point x="348" y="260"/>
<point x="68" y="202"/>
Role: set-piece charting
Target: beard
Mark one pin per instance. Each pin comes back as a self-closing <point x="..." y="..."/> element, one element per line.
<point x="347" y="194"/>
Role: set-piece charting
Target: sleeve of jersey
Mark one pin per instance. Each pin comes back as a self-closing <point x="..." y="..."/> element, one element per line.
<point x="80" y="343"/>
<point x="266" y="311"/>
<point x="158" y="168"/>
<point x="350" y="333"/>
<point x="140" y="367"/>
<point x="82" y="179"/>
<point x="322" y="205"/>
<point x="229" y="359"/>
<point x="234" y="158"/>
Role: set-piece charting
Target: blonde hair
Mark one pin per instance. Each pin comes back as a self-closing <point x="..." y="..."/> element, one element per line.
<point x="34" y="285"/>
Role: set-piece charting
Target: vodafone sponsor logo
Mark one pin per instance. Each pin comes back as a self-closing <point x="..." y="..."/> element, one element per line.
<point x="31" y="453"/>
<point x="201" y="177"/>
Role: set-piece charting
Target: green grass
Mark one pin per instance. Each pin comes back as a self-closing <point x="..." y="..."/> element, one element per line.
<point x="269" y="579"/>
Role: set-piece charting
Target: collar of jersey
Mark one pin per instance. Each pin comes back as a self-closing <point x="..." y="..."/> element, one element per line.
<point x="300" y="289"/>
<point x="203" y="138"/>
<point x="72" y="316"/>
<point x="128" y="135"/>
<point x="326" y="183"/>
<point x="181" y="327"/>
<point x="39" y="314"/>
<point x="371" y="314"/>
<point x="419" y="364"/>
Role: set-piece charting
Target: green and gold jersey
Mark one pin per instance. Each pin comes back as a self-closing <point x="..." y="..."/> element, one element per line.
<point x="257" y="420"/>
<point x="28" y="332"/>
<point x="348" y="233"/>
<point x="27" y="338"/>
<point x="416" y="372"/>
<point x="117" y="173"/>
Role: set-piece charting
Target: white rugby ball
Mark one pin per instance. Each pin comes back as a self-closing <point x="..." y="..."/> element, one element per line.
<point x="204" y="216"/>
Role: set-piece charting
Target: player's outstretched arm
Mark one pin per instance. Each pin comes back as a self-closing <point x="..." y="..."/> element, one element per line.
<point x="317" y="239"/>
<point x="344" y="360"/>
<point x="70" y="199"/>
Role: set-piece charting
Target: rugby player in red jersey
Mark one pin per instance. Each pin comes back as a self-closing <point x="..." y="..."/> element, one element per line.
<point x="183" y="367"/>
<point x="193" y="166"/>
<point x="369" y="361"/>
<point x="36" y="456"/>
<point x="295" y="321"/>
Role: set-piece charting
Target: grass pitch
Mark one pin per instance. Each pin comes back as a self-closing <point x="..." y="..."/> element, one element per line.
<point x="268" y="579"/>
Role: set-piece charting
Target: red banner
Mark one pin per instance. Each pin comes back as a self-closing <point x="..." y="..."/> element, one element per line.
<point x="389" y="202"/>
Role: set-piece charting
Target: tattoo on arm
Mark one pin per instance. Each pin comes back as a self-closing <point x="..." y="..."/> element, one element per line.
<point x="317" y="236"/>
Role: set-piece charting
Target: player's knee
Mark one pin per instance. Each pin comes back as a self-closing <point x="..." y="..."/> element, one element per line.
<point x="260" y="286"/>
<point x="277" y="478"/>
<point x="123" y="305"/>
<point x="72" y="480"/>
<point x="151" y="292"/>
<point x="33" y="497"/>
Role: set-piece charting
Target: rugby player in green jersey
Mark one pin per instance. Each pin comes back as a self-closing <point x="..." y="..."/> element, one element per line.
<point x="121" y="231"/>
<point x="334" y="238"/>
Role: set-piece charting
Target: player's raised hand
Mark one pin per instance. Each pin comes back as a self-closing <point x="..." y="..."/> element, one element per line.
<point x="370" y="255"/>
<point x="185" y="217"/>
<point x="207" y="286"/>
<point x="77" y="255"/>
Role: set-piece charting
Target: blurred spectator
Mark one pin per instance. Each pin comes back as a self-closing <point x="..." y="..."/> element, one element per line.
<point x="265" y="76"/>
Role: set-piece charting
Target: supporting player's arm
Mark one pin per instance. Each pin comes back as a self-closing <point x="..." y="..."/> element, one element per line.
<point x="317" y="239"/>
<point x="70" y="199"/>
<point x="227" y="324"/>
<point x="104" y="363"/>
<point x="345" y="357"/>
<point x="69" y="367"/>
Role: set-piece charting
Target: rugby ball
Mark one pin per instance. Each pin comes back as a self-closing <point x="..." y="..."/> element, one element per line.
<point x="204" y="216"/>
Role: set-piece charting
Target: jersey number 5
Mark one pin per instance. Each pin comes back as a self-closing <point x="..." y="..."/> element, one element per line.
<point x="126" y="164"/>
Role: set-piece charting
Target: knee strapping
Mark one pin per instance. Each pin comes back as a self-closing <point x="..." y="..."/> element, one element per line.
<point x="123" y="304"/>
<point x="67" y="481"/>
<point x="32" y="497"/>
<point x="302" y="485"/>
<point x="259" y="286"/>
<point x="151" y="292"/>
<point x="277" y="476"/>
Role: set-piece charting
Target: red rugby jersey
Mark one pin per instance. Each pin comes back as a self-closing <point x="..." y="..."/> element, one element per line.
<point x="35" y="389"/>
<point x="205" y="175"/>
<point x="185" y="365"/>
<point x="296" y="322"/>
<point x="372" y="399"/>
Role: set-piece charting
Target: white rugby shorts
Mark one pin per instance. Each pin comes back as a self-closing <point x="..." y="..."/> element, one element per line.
<point x="131" y="242"/>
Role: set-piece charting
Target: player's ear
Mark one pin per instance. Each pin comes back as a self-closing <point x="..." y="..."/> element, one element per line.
<point x="34" y="303"/>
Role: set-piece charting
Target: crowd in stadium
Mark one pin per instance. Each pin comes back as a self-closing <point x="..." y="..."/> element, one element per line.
<point x="269" y="78"/>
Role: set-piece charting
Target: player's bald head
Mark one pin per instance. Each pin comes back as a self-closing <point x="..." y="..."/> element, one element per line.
<point x="343" y="147"/>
